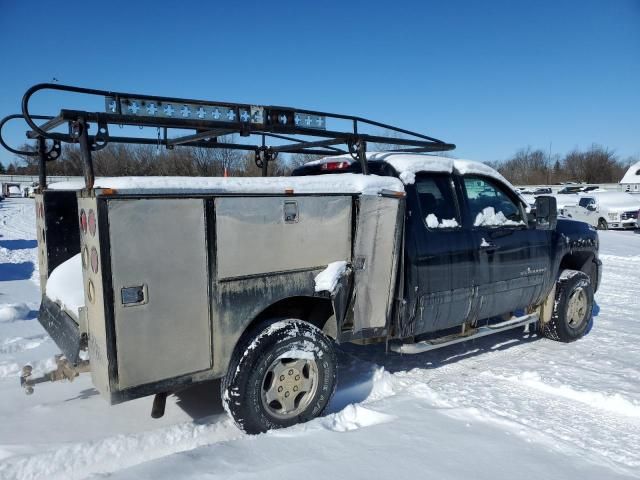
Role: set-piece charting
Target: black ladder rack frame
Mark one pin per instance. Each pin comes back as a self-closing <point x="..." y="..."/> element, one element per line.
<point x="272" y="123"/>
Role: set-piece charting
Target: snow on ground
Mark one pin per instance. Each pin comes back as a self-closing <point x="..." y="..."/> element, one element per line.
<point x="506" y="406"/>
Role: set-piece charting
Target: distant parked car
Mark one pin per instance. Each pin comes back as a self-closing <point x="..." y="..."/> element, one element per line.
<point x="542" y="191"/>
<point x="570" y="189"/>
<point x="606" y="210"/>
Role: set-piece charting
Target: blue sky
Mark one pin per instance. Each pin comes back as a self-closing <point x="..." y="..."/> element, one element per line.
<point x="490" y="76"/>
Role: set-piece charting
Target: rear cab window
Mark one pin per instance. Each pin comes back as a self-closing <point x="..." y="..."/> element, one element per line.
<point x="491" y="205"/>
<point x="437" y="201"/>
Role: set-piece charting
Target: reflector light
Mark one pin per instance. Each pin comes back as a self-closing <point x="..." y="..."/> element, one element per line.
<point x="42" y="210"/>
<point x="83" y="221"/>
<point x="335" y="165"/>
<point x="94" y="260"/>
<point x="91" y="292"/>
<point x="92" y="223"/>
<point x="85" y="257"/>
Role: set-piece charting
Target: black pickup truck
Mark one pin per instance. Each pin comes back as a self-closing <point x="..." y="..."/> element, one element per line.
<point x="255" y="280"/>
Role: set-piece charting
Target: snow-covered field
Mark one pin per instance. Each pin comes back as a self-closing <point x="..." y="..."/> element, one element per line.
<point x="505" y="406"/>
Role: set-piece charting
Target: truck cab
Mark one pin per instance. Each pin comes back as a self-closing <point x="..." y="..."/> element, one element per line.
<point x="472" y="249"/>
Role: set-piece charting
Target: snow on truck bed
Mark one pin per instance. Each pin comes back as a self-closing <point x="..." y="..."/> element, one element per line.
<point x="349" y="183"/>
<point x="65" y="285"/>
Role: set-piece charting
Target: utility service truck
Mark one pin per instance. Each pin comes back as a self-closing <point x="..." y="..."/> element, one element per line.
<point x="154" y="284"/>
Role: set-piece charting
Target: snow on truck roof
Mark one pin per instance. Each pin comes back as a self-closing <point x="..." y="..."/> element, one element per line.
<point x="349" y="183"/>
<point x="407" y="165"/>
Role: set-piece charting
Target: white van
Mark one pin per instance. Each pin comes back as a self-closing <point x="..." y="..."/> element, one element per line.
<point x="605" y="210"/>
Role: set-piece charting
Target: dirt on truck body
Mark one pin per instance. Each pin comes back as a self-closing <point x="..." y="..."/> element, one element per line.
<point x="156" y="283"/>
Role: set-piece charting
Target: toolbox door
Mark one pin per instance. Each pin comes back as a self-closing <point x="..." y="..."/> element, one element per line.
<point x="160" y="276"/>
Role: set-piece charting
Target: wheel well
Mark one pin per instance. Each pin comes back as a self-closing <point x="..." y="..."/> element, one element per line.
<point x="315" y="310"/>
<point x="579" y="261"/>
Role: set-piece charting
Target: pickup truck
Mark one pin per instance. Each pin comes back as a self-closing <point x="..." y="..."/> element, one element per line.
<point x="605" y="210"/>
<point x="153" y="284"/>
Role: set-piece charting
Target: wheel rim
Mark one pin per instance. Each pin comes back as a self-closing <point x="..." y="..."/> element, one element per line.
<point x="288" y="386"/>
<point x="577" y="307"/>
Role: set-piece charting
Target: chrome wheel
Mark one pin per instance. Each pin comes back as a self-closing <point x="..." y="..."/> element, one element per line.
<point x="289" y="386"/>
<point x="577" y="307"/>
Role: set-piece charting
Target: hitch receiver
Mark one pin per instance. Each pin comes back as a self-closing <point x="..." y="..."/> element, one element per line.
<point x="64" y="371"/>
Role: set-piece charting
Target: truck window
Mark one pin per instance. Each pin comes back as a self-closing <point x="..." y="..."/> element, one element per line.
<point x="585" y="202"/>
<point x="490" y="205"/>
<point x="437" y="202"/>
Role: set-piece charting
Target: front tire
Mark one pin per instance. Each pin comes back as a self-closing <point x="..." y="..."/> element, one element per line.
<point x="282" y="372"/>
<point x="602" y="224"/>
<point x="572" y="311"/>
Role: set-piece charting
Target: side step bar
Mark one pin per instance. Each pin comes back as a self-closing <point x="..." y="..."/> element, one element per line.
<point x="426" y="345"/>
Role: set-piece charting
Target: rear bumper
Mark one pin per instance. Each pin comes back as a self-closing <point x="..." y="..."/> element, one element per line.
<point x="62" y="329"/>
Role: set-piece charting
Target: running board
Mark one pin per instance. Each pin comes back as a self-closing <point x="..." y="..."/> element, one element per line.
<point x="426" y="345"/>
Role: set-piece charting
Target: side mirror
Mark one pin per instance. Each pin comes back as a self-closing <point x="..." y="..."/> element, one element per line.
<point x="591" y="207"/>
<point x="546" y="213"/>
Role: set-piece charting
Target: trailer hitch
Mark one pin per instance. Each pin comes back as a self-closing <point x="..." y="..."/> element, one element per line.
<point x="65" y="370"/>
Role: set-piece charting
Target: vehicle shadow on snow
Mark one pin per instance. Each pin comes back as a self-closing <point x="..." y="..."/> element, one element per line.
<point x="18" y="244"/>
<point x="15" y="271"/>
<point x="357" y="367"/>
<point x="201" y="401"/>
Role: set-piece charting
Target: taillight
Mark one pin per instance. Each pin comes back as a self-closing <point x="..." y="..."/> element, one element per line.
<point x="83" y="221"/>
<point x="92" y="223"/>
<point x="94" y="260"/>
<point x="335" y="165"/>
<point x="42" y="210"/>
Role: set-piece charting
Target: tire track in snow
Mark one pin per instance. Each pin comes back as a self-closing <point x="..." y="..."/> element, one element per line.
<point x="79" y="460"/>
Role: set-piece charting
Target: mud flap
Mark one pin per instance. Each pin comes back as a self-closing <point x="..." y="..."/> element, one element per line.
<point x="341" y="297"/>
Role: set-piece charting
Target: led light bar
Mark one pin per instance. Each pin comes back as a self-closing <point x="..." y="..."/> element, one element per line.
<point x="219" y="113"/>
<point x="310" y="121"/>
<point x="194" y="111"/>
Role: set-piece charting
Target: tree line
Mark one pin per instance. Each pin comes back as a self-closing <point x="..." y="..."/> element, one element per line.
<point x="527" y="166"/>
<point x="597" y="164"/>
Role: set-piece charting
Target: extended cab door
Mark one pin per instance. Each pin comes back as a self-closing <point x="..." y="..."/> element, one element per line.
<point x="514" y="258"/>
<point x="441" y="256"/>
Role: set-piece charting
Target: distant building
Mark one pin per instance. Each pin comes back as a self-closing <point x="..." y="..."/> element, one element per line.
<point x="631" y="180"/>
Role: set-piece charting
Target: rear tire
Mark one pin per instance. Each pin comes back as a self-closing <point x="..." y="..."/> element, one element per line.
<point x="602" y="224"/>
<point x="282" y="372"/>
<point x="572" y="311"/>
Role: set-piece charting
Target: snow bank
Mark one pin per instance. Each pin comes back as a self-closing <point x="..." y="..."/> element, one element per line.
<point x="327" y="280"/>
<point x="489" y="217"/>
<point x="350" y="183"/>
<point x="354" y="417"/>
<point x="14" y="311"/>
<point x="65" y="285"/>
